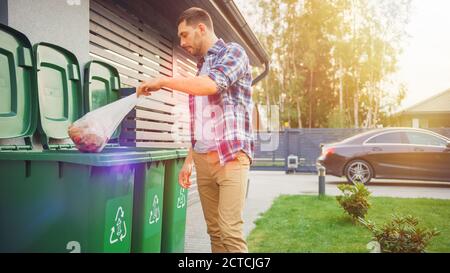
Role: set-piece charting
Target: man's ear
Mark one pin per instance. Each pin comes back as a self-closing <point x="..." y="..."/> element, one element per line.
<point x="202" y="27"/>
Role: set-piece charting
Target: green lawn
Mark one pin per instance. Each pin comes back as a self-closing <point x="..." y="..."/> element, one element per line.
<point x="268" y="163"/>
<point x="308" y="224"/>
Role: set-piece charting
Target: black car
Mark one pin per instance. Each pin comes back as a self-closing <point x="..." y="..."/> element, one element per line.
<point x="398" y="153"/>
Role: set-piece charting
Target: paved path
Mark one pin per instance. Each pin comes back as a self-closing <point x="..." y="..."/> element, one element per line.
<point x="265" y="186"/>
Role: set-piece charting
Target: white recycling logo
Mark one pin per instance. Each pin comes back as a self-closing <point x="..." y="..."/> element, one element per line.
<point x="119" y="230"/>
<point x="74" y="247"/>
<point x="181" y="200"/>
<point x="154" y="213"/>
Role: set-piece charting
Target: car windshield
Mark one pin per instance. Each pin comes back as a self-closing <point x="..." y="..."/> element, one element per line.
<point x="418" y="138"/>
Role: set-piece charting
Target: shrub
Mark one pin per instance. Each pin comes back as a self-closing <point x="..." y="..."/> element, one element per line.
<point x="355" y="200"/>
<point x="401" y="235"/>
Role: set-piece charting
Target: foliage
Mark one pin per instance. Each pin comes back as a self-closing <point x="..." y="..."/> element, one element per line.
<point x="325" y="52"/>
<point x="354" y="200"/>
<point x="306" y="223"/>
<point x="401" y="235"/>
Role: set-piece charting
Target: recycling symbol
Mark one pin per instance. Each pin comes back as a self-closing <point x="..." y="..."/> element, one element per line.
<point x="181" y="200"/>
<point x="119" y="230"/>
<point x="154" y="213"/>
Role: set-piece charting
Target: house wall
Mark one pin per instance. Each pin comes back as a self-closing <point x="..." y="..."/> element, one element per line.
<point x="140" y="50"/>
<point x="407" y="121"/>
<point x="426" y="121"/>
<point x="61" y="22"/>
<point x="440" y="121"/>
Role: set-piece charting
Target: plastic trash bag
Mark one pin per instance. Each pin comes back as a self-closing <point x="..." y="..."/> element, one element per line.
<point x="92" y="132"/>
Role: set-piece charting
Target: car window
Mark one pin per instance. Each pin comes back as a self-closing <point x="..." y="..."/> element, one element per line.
<point x="387" y="138"/>
<point x="418" y="138"/>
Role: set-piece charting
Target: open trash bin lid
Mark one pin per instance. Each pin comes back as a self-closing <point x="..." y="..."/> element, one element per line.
<point x="18" y="97"/>
<point x="59" y="92"/>
<point x="101" y="87"/>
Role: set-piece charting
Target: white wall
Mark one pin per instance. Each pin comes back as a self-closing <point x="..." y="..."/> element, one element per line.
<point x="61" y="22"/>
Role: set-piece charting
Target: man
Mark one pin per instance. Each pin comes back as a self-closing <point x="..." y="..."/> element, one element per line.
<point x="220" y="107"/>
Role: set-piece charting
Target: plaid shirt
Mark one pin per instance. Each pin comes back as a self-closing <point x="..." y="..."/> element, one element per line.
<point x="229" y="68"/>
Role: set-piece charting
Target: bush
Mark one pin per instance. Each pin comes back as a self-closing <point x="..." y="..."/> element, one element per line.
<point x="355" y="200"/>
<point x="401" y="235"/>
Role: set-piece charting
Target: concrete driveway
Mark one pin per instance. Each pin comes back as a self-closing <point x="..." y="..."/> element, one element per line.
<point x="265" y="186"/>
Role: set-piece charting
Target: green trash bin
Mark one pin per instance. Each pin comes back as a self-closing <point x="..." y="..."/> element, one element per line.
<point x="101" y="85"/>
<point x="149" y="202"/>
<point x="174" y="201"/>
<point x="56" y="200"/>
<point x="66" y="201"/>
<point x="175" y="206"/>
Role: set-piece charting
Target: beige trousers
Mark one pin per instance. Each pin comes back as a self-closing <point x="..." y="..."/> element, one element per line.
<point x="222" y="191"/>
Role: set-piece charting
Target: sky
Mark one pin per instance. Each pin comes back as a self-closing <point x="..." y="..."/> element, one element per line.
<point x="425" y="63"/>
<point x="424" y="66"/>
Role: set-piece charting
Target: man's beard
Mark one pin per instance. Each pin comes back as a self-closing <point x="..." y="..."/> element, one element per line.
<point x="197" y="48"/>
<point x="195" y="52"/>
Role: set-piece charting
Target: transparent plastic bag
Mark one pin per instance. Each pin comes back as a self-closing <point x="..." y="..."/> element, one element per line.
<point x="92" y="132"/>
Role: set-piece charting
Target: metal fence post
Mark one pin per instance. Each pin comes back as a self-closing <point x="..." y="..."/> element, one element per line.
<point x="321" y="180"/>
<point x="248" y="186"/>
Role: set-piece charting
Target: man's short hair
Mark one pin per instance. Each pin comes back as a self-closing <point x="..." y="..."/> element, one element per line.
<point x="194" y="16"/>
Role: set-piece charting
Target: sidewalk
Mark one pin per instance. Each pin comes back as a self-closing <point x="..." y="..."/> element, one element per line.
<point x="265" y="186"/>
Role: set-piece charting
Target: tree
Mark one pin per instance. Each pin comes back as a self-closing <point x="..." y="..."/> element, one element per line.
<point x="330" y="58"/>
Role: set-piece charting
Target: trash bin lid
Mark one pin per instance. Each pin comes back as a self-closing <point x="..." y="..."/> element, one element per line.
<point x="18" y="98"/>
<point x="154" y="154"/>
<point x="59" y="93"/>
<point x="182" y="153"/>
<point x="101" y="87"/>
<point x="108" y="157"/>
<point x="159" y="155"/>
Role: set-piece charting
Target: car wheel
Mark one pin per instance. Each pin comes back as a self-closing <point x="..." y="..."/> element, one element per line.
<point x="358" y="171"/>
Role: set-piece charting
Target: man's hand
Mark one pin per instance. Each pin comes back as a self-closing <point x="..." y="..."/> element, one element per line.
<point x="185" y="174"/>
<point x="150" y="86"/>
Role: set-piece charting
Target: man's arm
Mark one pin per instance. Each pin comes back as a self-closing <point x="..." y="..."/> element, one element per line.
<point x="197" y="86"/>
<point x="186" y="171"/>
<point x="189" y="159"/>
<point x="223" y="73"/>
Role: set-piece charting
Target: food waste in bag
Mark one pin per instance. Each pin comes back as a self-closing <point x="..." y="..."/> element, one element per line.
<point x="92" y="132"/>
<point x="88" y="135"/>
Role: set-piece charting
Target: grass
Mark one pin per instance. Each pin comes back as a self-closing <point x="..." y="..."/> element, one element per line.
<point x="311" y="224"/>
<point x="268" y="164"/>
